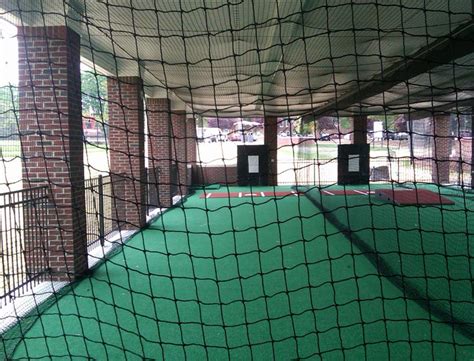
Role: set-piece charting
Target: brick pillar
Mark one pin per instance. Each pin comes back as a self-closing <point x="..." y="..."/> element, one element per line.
<point x="191" y="140"/>
<point x="191" y="147"/>
<point x="178" y="148"/>
<point x="50" y="122"/>
<point x="442" y="149"/>
<point x="127" y="149"/>
<point x="271" y="141"/>
<point x="360" y="129"/>
<point x="471" y="151"/>
<point x="159" y="145"/>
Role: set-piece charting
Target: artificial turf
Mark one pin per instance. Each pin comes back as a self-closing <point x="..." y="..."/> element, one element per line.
<point x="427" y="248"/>
<point x="239" y="278"/>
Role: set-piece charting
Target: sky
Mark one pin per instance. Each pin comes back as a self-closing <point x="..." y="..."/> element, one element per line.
<point x="8" y="54"/>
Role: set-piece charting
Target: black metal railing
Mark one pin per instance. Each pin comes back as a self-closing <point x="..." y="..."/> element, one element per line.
<point x="382" y="169"/>
<point x="152" y="191"/>
<point x="174" y="180"/>
<point x="23" y="240"/>
<point x="101" y="194"/>
<point x="401" y="169"/>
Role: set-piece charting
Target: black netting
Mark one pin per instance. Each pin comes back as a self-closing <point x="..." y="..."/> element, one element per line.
<point x="216" y="179"/>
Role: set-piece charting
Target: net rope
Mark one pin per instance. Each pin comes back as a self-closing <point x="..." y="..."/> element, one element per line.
<point x="217" y="179"/>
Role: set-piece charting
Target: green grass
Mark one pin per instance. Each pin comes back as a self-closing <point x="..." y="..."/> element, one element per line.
<point x="322" y="150"/>
<point x="10" y="148"/>
<point x="229" y="279"/>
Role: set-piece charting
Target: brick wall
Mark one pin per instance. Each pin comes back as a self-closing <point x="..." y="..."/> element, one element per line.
<point x="178" y="148"/>
<point x="191" y="147"/>
<point x="442" y="149"/>
<point x="127" y="142"/>
<point x="50" y="123"/>
<point x="215" y="174"/>
<point x="191" y="141"/>
<point x="359" y="124"/>
<point x="271" y="140"/>
<point x="159" y="145"/>
<point x="462" y="149"/>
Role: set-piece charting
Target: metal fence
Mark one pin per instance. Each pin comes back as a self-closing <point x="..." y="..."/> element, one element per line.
<point x="153" y="178"/>
<point x="154" y="199"/>
<point x="23" y="237"/>
<point x="174" y="179"/>
<point x="307" y="172"/>
<point x="99" y="200"/>
<point x="382" y="169"/>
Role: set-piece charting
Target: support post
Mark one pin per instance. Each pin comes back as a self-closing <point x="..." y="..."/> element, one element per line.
<point x="360" y="129"/>
<point x="127" y="148"/>
<point x="271" y="141"/>
<point x="472" y="143"/>
<point x="178" y="149"/>
<point x="159" y="146"/>
<point x="442" y="149"/>
<point x="191" y="147"/>
<point x="50" y="124"/>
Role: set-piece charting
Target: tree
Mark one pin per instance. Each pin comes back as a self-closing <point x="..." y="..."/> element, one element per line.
<point x="306" y="125"/>
<point x="94" y="93"/>
<point x="400" y="124"/>
<point x="389" y="122"/>
<point x="345" y="123"/>
<point x="8" y="110"/>
<point x="326" y="123"/>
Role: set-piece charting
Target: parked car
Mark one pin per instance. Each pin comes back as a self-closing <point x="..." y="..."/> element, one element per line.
<point x="325" y="137"/>
<point x="94" y="135"/>
<point x="387" y="134"/>
<point x="395" y="135"/>
<point x="211" y="135"/>
<point x="465" y="134"/>
<point x="402" y="136"/>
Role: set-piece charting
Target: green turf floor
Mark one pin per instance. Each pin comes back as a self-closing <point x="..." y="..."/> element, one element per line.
<point x="430" y="248"/>
<point x="239" y="279"/>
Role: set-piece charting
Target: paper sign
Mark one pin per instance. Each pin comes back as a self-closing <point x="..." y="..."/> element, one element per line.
<point x="353" y="164"/>
<point x="253" y="163"/>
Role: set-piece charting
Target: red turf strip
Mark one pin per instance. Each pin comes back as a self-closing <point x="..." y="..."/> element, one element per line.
<point x="347" y="192"/>
<point x="412" y="196"/>
<point x="247" y="194"/>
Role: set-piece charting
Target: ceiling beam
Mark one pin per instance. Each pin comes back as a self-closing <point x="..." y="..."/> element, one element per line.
<point x="451" y="107"/>
<point x="441" y="51"/>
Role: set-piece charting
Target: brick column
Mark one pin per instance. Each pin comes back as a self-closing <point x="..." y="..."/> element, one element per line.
<point x="360" y="129"/>
<point x="191" y="146"/>
<point x="50" y="122"/>
<point x="127" y="149"/>
<point x="159" y="145"/>
<point x="442" y="149"/>
<point x="178" y="148"/>
<point x="471" y="151"/>
<point x="191" y="140"/>
<point x="271" y="141"/>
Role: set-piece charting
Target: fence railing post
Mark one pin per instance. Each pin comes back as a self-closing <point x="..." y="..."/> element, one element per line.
<point x="314" y="172"/>
<point x="398" y="169"/>
<point x="460" y="172"/>
<point x="101" y="211"/>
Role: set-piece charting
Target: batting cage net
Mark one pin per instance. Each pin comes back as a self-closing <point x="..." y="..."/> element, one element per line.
<point x="236" y="180"/>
